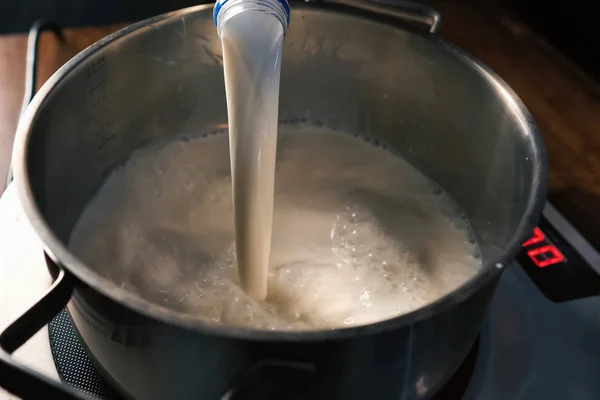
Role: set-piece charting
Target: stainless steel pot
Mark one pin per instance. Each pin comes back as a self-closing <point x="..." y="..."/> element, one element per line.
<point x="356" y="66"/>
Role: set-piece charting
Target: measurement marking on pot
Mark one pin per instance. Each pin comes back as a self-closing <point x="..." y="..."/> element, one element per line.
<point x="100" y="119"/>
<point x="119" y="333"/>
<point x="96" y="321"/>
<point x="106" y="140"/>
<point x="97" y="86"/>
<point x="95" y="66"/>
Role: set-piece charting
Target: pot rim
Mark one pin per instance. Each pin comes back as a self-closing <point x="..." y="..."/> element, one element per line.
<point x="58" y="252"/>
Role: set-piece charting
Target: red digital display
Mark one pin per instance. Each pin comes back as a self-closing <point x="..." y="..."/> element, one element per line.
<point x="542" y="252"/>
<point x="538" y="236"/>
<point x="545" y="255"/>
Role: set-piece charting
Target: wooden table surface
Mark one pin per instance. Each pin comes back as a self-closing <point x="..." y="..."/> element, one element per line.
<point x="564" y="102"/>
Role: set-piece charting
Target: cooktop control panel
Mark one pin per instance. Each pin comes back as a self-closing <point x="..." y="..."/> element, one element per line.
<point x="559" y="260"/>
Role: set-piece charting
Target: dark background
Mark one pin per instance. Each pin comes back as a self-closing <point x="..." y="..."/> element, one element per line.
<point x="571" y="26"/>
<point x="18" y="15"/>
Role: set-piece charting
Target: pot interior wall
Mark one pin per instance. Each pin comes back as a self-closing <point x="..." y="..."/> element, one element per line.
<point x="421" y="97"/>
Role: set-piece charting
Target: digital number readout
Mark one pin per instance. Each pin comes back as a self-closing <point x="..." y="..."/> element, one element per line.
<point x="541" y="251"/>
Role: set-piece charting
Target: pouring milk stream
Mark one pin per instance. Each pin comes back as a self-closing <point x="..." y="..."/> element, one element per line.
<point x="252" y="35"/>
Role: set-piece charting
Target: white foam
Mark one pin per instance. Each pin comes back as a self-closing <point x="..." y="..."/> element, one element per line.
<point x="359" y="235"/>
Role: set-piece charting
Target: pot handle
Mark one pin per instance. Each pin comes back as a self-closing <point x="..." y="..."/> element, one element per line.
<point x="403" y="10"/>
<point x="17" y="378"/>
<point x="272" y="379"/>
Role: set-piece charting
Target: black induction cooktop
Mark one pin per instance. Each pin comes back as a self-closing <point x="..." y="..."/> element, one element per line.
<point x="540" y="338"/>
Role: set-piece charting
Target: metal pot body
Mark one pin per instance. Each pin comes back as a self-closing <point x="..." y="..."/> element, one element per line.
<point x="149" y="360"/>
<point x="448" y="115"/>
